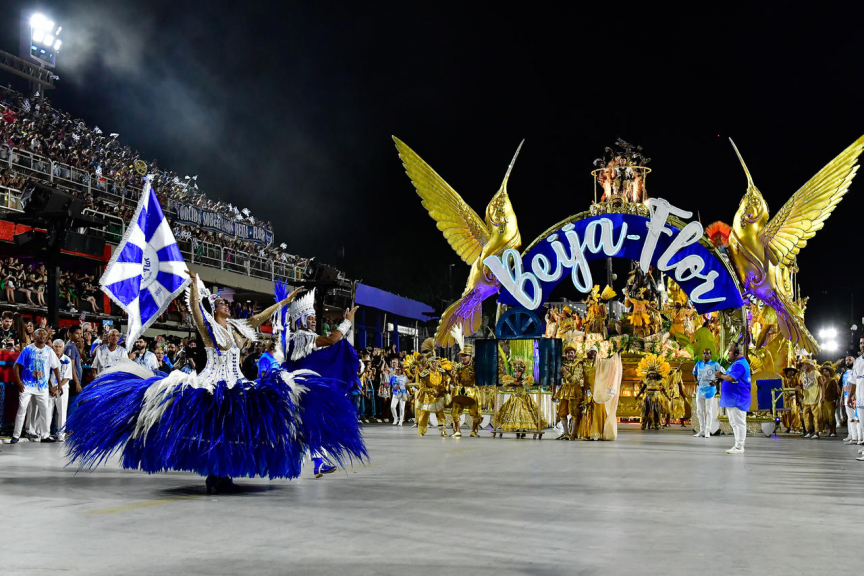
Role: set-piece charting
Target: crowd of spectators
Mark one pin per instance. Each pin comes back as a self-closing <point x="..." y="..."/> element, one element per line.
<point x="89" y="158"/>
<point x="373" y="392"/>
<point x="26" y="284"/>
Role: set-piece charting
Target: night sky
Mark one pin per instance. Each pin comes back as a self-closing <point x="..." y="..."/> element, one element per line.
<point x="287" y="109"/>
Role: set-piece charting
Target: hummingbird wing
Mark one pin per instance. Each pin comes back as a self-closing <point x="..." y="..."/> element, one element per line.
<point x="805" y="213"/>
<point x="462" y="227"/>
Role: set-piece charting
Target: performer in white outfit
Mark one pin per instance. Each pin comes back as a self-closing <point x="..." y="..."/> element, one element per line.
<point x="30" y="375"/>
<point x="857" y="392"/>
<point x="706" y="393"/>
<point x="109" y="355"/>
<point x="61" y="400"/>
<point x="847" y="400"/>
<point x="399" y="389"/>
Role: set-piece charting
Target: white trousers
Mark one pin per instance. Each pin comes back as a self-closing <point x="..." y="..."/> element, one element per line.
<point x="706" y="411"/>
<point x="738" y="421"/>
<point x="397" y="404"/>
<point x="42" y="401"/>
<point x="30" y="421"/>
<point x="860" y="424"/>
<point x="61" y="404"/>
<point x="851" y="425"/>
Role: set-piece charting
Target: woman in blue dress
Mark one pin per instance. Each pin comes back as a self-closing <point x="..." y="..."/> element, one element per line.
<point x="216" y="423"/>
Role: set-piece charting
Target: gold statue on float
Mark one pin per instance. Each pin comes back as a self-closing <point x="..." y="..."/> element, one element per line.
<point x="471" y="238"/>
<point x="763" y="252"/>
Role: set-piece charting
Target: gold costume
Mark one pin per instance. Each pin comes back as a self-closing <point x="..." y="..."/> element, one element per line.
<point x="791" y="418"/>
<point x="570" y="396"/>
<point x="595" y="319"/>
<point x="566" y="322"/>
<point x="590" y="421"/>
<point x="639" y="317"/>
<point x="466" y="396"/>
<point x="431" y="398"/>
<point x="519" y="413"/>
<point x="675" y="406"/>
<point x="653" y="370"/>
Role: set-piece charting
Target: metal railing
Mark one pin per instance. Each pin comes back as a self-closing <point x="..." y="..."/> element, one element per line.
<point x="74" y="179"/>
<point x="114" y="231"/>
<point x="252" y="265"/>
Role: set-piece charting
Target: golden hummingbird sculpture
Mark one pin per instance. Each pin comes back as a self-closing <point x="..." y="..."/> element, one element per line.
<point x="473" y="239"/>
<point x="763" y="251"/>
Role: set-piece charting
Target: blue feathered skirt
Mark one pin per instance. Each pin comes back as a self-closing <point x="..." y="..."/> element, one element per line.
<point x="174" y="422"/>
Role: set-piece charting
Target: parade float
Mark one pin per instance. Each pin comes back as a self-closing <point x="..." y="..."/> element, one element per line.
<point x="689" y="288"/>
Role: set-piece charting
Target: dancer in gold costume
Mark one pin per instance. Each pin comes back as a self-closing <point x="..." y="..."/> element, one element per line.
<point x="434" y="383"/>
<point x="566" y="322"/>
<point x="640" y="317"/>
<point x="676" y="407"/>
<point x="519" y="413"/>
<point x="653" y="370"/>
<point x="414" y="365"/>
<point x="570" y="394"/>
<point x="791" y="418"/>
<point x="465" y="393"/>
<point x="552" y="323"/>
<point x="587" y="406"/>
<point x="595" y="319"/>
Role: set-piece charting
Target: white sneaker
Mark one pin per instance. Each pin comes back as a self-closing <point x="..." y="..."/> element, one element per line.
<point x="860" y="458"/>
<point x="735" y="450"/>
<point x="807" y="436"/>
<point x="395" y="423"/>
<point x="697" y="434"/>
<point x="860" y="451"/>
<point x="815" y="436"/>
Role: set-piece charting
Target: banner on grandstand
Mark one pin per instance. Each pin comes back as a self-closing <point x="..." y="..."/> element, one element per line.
<point x="188" y="214"/>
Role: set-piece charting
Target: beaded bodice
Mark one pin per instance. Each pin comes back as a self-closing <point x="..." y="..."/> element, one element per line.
<point x="223" y="367"/>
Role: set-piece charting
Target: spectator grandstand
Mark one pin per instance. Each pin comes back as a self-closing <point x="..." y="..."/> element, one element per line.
<point x="40" y="142"/>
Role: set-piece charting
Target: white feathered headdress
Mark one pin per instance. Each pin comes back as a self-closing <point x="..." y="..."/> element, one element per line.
<point x="302" y="308"/>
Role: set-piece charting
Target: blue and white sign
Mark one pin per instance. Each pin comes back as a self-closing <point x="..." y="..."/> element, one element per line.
<point x="217" y="222"/>
<point x="528" y="281"/>
<point x="147" y="270"/>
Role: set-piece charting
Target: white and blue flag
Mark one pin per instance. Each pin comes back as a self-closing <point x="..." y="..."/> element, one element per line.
<point x="147" y="270"/>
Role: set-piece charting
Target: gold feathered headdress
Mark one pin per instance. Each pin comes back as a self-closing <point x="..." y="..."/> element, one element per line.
<point x="428" y="346"/>
<point x="653" y="364"/>
<point x="608" y="293"/>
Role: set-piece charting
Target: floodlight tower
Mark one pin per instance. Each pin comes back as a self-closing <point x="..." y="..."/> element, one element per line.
<point x="43" y="40"/>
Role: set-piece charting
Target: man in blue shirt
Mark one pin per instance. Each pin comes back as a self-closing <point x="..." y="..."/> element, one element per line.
<point x="268" y="361"/>
<point x="735" y="395"/>
<point x="30" y="374"/>
<point x="705" y="372"/>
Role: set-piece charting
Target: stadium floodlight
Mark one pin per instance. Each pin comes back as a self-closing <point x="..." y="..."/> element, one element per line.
<point x="828" y="333"/>
<point x="38" y="21"/>
<point x="830" y="346"/>
<point x="44" y="32"/>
